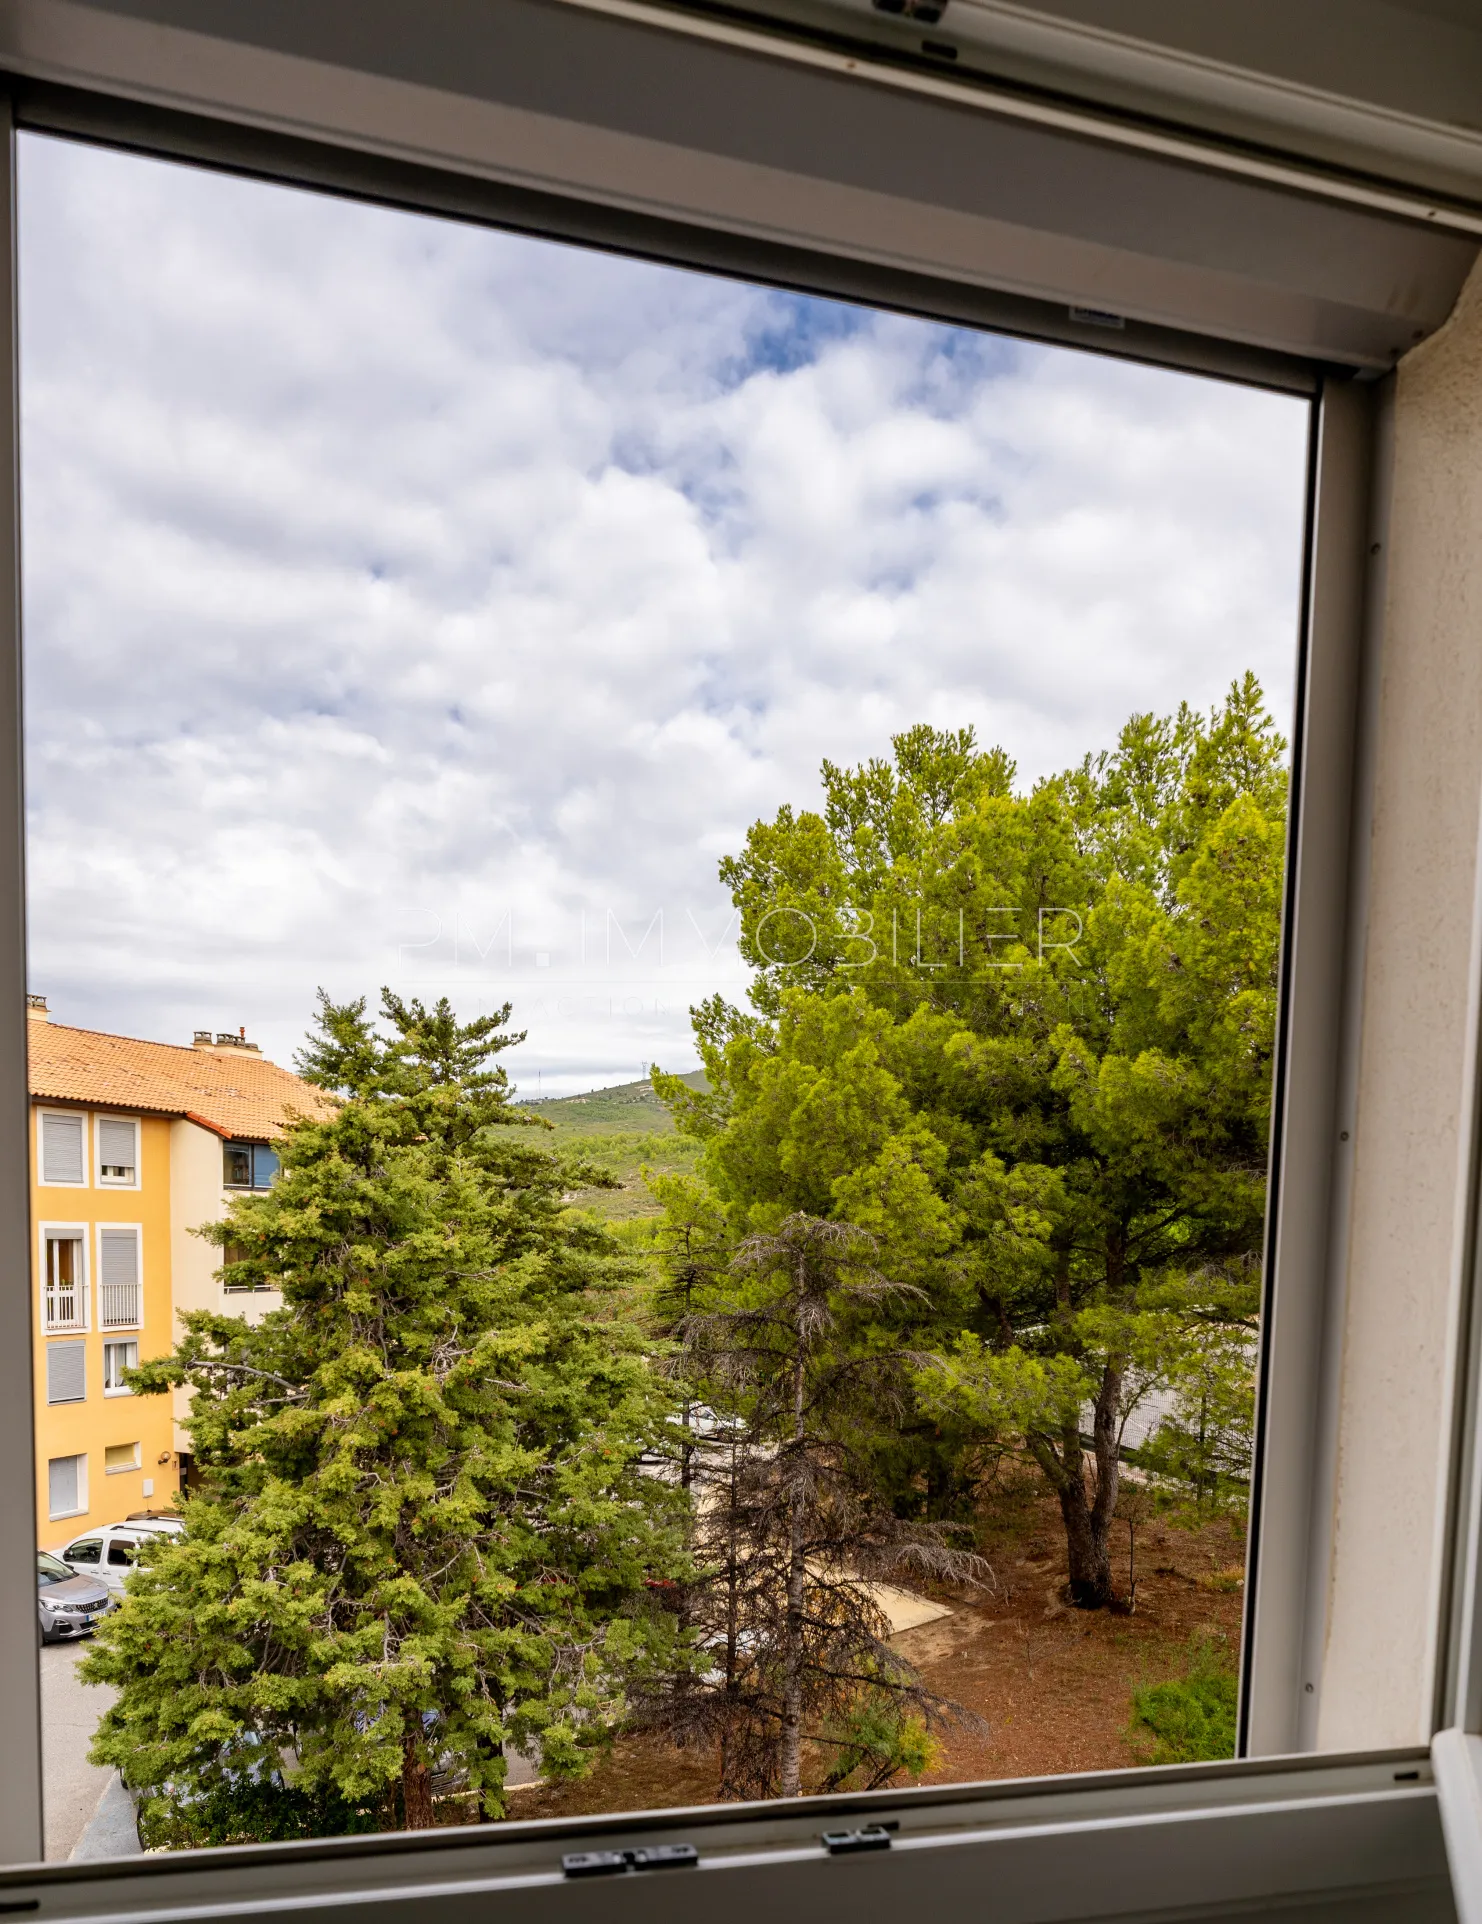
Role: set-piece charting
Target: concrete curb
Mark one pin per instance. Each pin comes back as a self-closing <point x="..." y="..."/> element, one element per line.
<point x="112" y="1830"/>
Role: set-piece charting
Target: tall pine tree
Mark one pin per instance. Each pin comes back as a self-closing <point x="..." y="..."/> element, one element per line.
<point x="422" y="1535"/>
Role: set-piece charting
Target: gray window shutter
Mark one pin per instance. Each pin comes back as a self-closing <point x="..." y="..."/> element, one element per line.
<point x="66" y="1373"/>
<point x="120" y="1257"/>
<point x="118" y="1147"/>
<point x="61" y="1482"/>
<point x="61" y="1149"/>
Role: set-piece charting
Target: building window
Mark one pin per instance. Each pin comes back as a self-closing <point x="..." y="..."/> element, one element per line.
<point x="118" y="1457"/>
<point x="118" y="1359"/>
<point x="63" y="1278"/>
<point x="248" y="1165"/>
<point x="66" y="1372"/>
<point x="120" y="1304"/>
<point x="118" y="1152"/>
<point x="66" y="1486"/>
<point x="63" y="1152"/>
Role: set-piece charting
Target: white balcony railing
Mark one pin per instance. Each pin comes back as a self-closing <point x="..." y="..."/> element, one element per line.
<point x="119" y="1306"/>
<point x="64" y="1306"/>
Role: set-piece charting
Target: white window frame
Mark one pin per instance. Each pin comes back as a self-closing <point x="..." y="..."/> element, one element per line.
<point x="80" y="1458"/>
<point x="137" y="1230"/>
<point x="1162" y="1841"/>
<point x="117" y="1182"/>
<point x="72" y="1232"/>
<point x="123" y="1469"/>
<point x="119" y="1342"/>
<point x="74" y="1115"/>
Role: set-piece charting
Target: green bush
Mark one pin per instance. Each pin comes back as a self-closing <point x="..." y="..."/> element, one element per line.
<point x="1189" y="1719"/>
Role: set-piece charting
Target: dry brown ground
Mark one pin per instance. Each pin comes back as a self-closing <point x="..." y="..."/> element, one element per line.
<point x="1051" y="1685"/>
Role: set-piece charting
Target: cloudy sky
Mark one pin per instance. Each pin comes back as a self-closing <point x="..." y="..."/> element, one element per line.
<point x="413" y="604"/>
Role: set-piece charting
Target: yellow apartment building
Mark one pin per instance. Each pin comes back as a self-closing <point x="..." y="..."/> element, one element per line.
<point x="133" y="1145"/>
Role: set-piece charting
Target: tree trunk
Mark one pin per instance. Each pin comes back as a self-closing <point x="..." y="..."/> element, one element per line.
<point x="416" y="1786"/>
<point x="791" y="1772"/>
<point x="1088" y="1524"/>
<point x="1088" y="1553"/>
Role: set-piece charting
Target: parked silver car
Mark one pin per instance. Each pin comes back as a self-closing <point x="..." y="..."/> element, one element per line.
<point x="68" y="1605"/>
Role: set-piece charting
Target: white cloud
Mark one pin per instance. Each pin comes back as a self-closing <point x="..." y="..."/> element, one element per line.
<point x="403" y="600"/>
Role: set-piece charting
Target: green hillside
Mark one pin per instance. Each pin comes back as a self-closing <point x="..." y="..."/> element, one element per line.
<point x="624" y="1130"/>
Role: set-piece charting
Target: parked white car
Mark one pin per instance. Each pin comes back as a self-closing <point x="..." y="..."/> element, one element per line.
<point x="108" y="1553"/>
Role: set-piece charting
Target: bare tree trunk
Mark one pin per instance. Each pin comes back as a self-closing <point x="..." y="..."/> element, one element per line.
<point x="792" y="1673"/>
<point x="416" y="1786"/>
<point x="1088" y="1554"/>
<point x="1088" y="1525"/>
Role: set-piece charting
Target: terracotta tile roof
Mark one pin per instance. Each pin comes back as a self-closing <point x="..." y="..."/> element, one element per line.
<point x="232" y="1091"/>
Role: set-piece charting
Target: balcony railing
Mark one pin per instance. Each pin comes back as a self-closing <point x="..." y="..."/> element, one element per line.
<point x="64" y="1306"/>
<point x="119" y="1306"/>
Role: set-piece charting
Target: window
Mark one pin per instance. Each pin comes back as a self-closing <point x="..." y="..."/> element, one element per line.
<point x="120" y="1291"/>
<point x="118" y="1457"/>
<point x="63" y="1150"/>
<point x="66" y="1482"/>
<point x="906" y="664"/>
<point x="50" y="1570"/>
<point x="118" y="1358"/>
<point x="248" y="1165"/>
<point x="118" y="1152"/>
<point x="121" y="1552"/>
<point x="1223" y="211"/>
<point x="90" y="1549"/>
<point x="64" y="1277"/>
<point x="66" y="1372"/>
<point x="234" y="1253"/>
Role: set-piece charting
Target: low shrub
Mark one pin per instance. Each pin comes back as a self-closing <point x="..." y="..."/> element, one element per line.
<point x="1189" y="1719"/>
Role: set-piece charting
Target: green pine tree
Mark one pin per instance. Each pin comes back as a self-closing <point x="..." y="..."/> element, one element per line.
<point x="422" y="1534"/>
<point x="1025" y="1040"/>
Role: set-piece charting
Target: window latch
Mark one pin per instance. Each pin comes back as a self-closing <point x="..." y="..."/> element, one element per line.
<point x="654" y="1857"/>
<point x="869" y="1837"/>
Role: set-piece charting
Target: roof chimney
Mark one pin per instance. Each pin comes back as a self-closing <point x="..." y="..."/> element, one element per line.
<point x="36" y="1009"/>
<point x="224" y="1039"/>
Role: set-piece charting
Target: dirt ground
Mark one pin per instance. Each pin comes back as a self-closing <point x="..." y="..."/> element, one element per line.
<point x="1051" y="1685"/>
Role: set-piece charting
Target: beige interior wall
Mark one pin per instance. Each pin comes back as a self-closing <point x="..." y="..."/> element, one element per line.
<point x="1413" y="1090"/>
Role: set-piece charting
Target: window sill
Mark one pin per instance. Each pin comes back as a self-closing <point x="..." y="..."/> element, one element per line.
<point x="124" y="1392"/>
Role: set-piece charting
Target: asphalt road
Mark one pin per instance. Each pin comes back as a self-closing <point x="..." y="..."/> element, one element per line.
<point x="70" y="1711"/>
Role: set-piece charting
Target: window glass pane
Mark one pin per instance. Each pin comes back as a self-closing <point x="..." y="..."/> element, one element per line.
<point x="88" y="1551"/>
<point x="118" y="1358"/>
<point x="739" y="1038"/>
